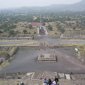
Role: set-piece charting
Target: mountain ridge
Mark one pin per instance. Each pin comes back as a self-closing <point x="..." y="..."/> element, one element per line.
<point x="79" y="6"/>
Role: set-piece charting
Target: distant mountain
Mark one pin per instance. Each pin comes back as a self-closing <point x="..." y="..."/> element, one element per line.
<point x="80" y="6"/>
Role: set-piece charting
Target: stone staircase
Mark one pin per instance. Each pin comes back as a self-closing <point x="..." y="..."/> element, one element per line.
<point x="36" y="78"/>
<point x="42" y="75"/>
<point x="65" y="82"/>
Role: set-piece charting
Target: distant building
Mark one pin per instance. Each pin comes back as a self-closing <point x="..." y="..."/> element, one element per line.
<point x="42" y="30"/>
<point x="35" y="24"/>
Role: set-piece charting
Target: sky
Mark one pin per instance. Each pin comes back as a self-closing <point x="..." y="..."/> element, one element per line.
<point x="29" y="3"/>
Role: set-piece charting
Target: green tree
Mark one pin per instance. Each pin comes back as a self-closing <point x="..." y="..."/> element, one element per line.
<point x="30" y="26"/>
<point x="1" y="31"/>
<point x="62" y="30"/>
<point x="50" y="27"/>
<point x="25" y="31"/>
<point x="12" y="33"/>
<point x="74" y="28"/>
<point x="29" y="33"/>
<point x="34" y="32"/>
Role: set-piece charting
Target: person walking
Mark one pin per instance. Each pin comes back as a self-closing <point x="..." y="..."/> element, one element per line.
<point x="45" y="82"/>
<point x="22" y="83"/>
<point x="49" y="82"/>
<point x="54" y="82"/>
<point x="57" y="80"/>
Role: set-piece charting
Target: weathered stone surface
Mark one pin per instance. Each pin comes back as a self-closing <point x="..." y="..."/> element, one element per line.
<point x="61" y="75"/>
<point x="67" y="76"/>
<point x="47" y="57"/>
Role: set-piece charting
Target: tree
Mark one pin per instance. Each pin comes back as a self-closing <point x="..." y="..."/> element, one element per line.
<point x="1" y="31"/>
<point x="34" y="32"/>
<point x="50" y="27"/>
<point x="61" y="29"/>
<point x="12" y="33"/>
<point x="30" y="26"/>
<point x="12" y="26"/>
<point x="55" y="33"/>
<point x="25" y="31"/>
<point x="74" y="28"/>
<point x="29" y="33"/>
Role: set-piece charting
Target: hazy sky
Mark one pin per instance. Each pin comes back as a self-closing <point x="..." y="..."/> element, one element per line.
<point x="23" y="3"/>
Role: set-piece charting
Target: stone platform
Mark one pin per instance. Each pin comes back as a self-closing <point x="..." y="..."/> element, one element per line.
<point x="47" y="57"/>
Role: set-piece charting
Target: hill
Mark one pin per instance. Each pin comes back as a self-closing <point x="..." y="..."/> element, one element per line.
<point x="77" y="7"/>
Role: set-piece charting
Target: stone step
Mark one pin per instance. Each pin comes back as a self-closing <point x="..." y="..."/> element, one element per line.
<point x="65" y="82"/>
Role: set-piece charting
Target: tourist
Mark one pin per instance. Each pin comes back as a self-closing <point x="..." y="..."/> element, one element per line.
<point x="49" y="82"/>
<point x="18" y="83"/>
<point x="22" y="83"/>
<point x="56" y="80"/>
<point x="45" y="82"/>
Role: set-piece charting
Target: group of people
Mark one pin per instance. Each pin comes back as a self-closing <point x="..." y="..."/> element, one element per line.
<point x="51" y="82"/>
<point x="20" y="83"/>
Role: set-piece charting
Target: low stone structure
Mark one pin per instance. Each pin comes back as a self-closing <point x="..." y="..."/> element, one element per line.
<point x="47" y="57"/>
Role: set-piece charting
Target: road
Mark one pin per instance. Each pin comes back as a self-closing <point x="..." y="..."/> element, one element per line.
<point x="18" y="43"/>
<point x="36" y="42"/>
